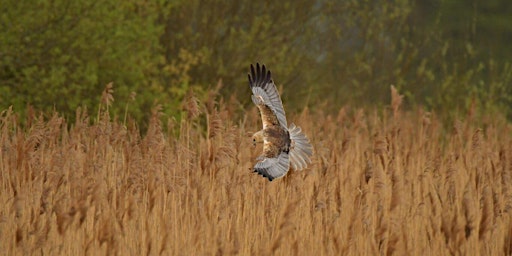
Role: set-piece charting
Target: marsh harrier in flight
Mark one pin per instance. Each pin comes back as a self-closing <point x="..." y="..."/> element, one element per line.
<point x="282" y="145"/>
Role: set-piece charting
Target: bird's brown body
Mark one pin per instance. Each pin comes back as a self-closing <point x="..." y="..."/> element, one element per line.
<point x="278" y="141"/>
<point x="276" y="138"/>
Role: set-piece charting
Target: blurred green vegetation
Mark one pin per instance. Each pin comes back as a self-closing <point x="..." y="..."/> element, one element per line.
<point x="442" y="54"/>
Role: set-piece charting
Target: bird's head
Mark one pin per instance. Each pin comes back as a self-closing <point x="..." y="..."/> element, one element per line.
<point x="257" y="138"/>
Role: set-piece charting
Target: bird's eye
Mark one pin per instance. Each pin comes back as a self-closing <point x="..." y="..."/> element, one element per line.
<point x="254" y="140"/>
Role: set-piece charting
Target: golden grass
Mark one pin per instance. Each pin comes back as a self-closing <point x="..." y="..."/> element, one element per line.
<point x="388" y="182"/>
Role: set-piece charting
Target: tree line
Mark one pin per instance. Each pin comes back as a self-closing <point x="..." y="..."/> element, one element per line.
<point x="443" y="54"/>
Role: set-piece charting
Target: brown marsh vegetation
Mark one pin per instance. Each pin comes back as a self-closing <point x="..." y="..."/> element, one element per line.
<point x="381" y="182"/>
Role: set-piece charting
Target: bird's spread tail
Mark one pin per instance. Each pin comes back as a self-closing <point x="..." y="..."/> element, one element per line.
<point x="301" y="149"/>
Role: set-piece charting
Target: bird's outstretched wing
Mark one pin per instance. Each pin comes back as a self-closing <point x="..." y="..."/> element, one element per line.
<point x="272" y="168"/>
<point x="266" y="96"/>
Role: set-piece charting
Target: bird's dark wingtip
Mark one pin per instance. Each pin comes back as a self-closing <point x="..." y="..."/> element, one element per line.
<point x="259" y="75"/>
<point x="263" y="173"/>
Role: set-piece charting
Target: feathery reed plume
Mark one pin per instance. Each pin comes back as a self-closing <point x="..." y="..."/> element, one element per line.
<point x="487" y="219"/>
<point x="396" y="101"/>
<point x="427" y="119"/>
<point x="368" y="170"/>
<point x="214" y="123"/>
<point x="380" y="148"/>
<point x="130" y="99"/>
<point x="155" y="123"/>
<point x="342" y="115"/>
<point x="107" y="98"/>
<point x="191" y="106"/>
<point x="476" y="139"/>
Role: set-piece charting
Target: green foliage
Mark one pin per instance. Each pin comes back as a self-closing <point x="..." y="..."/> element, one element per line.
<point x="60" y="54"/>
<point x="230" y="35"/>
<point x="443" y="54"/>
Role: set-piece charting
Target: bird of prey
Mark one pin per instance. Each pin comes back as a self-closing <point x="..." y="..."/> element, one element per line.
<point x="282" y="145"/>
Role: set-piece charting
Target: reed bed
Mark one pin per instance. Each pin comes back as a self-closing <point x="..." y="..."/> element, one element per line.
<point x="386" y="182"/>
